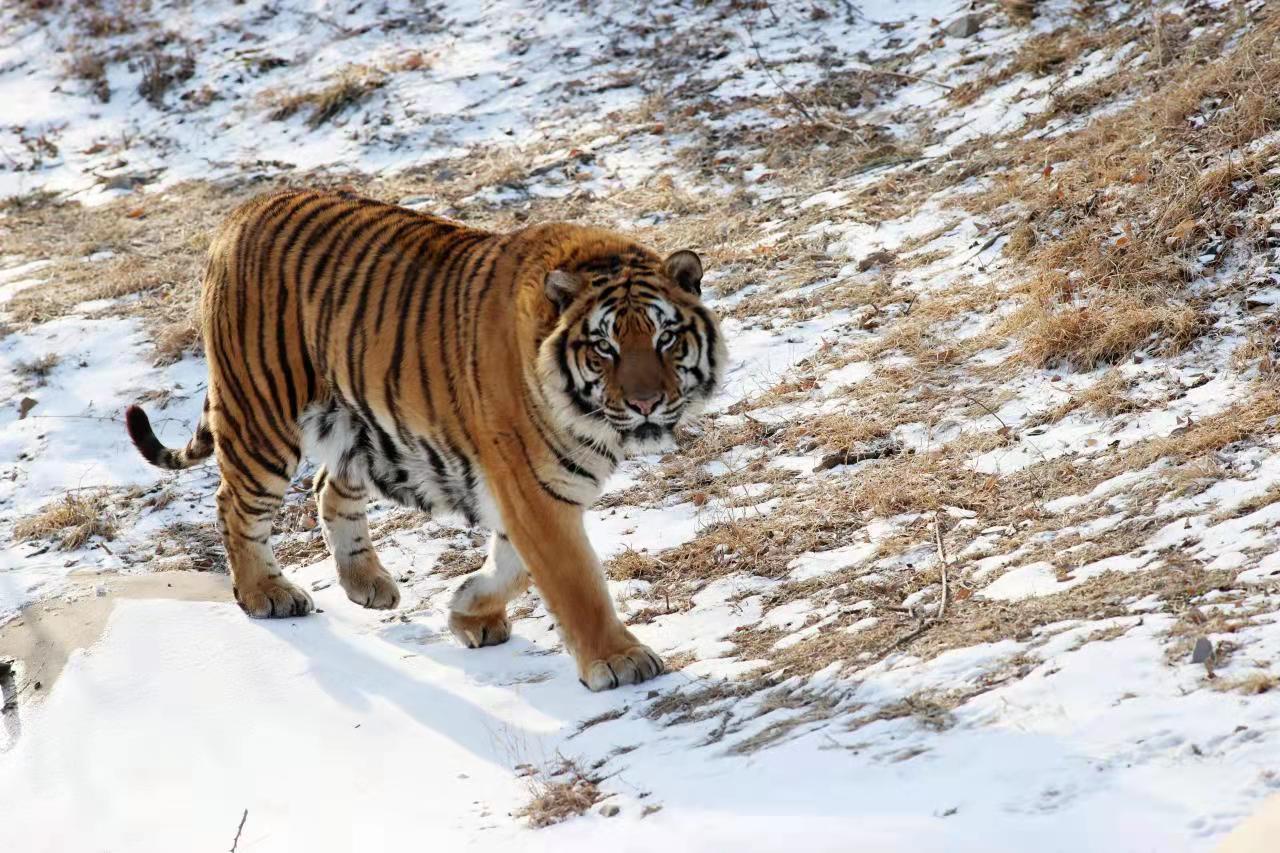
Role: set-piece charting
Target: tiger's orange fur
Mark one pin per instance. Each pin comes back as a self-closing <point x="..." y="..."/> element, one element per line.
<point x="499" y="376"/>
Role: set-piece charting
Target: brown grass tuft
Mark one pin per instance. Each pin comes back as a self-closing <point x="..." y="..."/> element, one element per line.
<point x="90" y="67"/>
<point x="1252" y="417"/>
<point x="558" y="799"/>
<point x="1021" y="12"/>
<point x="1103" y="331"/>
<point x="1253" y="684"/>
<point x="161" y="71"/>
<point x="36" y="372"/>
<point x="1106" y="398"/>
<point x="73" y="521"/>
<point x="353" y="85"/>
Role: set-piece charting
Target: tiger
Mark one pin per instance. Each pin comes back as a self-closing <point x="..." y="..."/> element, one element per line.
<point x="500" y="377"/>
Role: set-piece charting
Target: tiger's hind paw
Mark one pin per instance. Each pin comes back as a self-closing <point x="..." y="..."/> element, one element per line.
<point x="370" y="586"/>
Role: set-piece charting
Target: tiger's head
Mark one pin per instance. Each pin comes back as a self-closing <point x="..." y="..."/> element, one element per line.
<point x="634" y="352"/>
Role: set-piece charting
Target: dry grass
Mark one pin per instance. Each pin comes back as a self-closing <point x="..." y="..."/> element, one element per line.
<point x="158" y="243"/>
<point x="1103" y="331"/>
<point x="568" y="792"/>
<point x="91" y="68"/>
<point x="36" y="372"/>
<point x="72" y="521"/>
<point x="1021" y="12"/>
<point x="971" y="621"/>
<point x="350" y="87"/>
<point x="198" y="547"/>
<point x="1106" y="398"/>
<point x="1253" y="684"/>
<point x="1042" y="54"/>
<point x="1113" y="226"/>
<point x="1253" y="417"/>
<point x="161" y="71"/>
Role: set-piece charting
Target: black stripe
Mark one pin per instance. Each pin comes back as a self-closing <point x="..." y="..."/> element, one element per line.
<point x="546" y="487"/>
<point x="453" y="282"/>
<point x="335" y="251"/>
<point x="244" y="333"/>
<point x="290" y="241"/>
<point x="539" y="424"/>
<point x="483" y="293"/>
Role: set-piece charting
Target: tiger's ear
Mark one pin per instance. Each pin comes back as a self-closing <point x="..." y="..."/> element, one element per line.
<point x="561" y="287"/>
<point x="685" y="269"/>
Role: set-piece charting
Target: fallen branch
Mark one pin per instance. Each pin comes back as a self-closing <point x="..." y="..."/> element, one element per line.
<point x="908" y="637"/>
<point x="942" y="560"/>
<point x="926" y="624"/>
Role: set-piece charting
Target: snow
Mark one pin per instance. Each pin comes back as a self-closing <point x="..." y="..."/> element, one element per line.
<point x="426" y="740"/>
<point x="351" y="729"/>
<point x="814" y="565"/>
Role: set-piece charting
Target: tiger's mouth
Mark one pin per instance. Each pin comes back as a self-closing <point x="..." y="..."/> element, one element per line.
<point x="649" y="431"/>
<point x="648" y="437"/>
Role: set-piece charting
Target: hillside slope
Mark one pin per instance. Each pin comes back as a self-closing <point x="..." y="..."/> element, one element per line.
<point x="976" y="551"/>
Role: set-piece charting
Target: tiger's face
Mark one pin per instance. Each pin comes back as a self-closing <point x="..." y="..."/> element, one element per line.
<point x="635" y="351"/>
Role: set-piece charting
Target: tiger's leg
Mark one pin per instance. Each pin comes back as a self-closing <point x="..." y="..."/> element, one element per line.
<point x="551" y="539"/>
<point x="346" y="531"/>
<point x="478" y="611"/>
<point x="248" y="499"/>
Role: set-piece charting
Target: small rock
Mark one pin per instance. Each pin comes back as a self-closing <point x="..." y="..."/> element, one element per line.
<point x="964" y="26"/>
<point x="609" y="810"/>
<point x="875" y="259"/>
<point x="1203" y="650"/>
<point x="100" y="590"/>
<point x="25" y="406"/>
<point x="316" y="586"/>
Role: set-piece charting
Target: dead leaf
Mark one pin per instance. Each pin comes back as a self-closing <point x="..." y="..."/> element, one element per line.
<point x="1183" y="230"/>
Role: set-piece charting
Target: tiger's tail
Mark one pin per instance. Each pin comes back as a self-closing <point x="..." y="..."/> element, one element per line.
<point x="198" y="449"/>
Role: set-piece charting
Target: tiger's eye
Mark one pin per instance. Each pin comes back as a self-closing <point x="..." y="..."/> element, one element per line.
<point x="603" y="349"/>
<point x="666" y="339"/>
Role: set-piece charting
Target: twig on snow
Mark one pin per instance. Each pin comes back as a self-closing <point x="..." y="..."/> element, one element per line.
<point x="870" y="69"/>
<point x="239" y="829"/>
<point x="987" y="408"/>
<point x="908" y="637"/>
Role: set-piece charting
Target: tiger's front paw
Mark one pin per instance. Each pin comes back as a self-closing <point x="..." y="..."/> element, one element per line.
<point x="272" y="597"/>
<point x="476" y="631"/>
<point x="630" y="666"/>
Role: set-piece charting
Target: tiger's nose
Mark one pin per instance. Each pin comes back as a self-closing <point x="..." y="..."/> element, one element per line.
<point x="644" y="403"/>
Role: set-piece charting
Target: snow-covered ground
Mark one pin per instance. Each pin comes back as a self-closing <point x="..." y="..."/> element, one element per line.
<point x="916" y="593"/>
